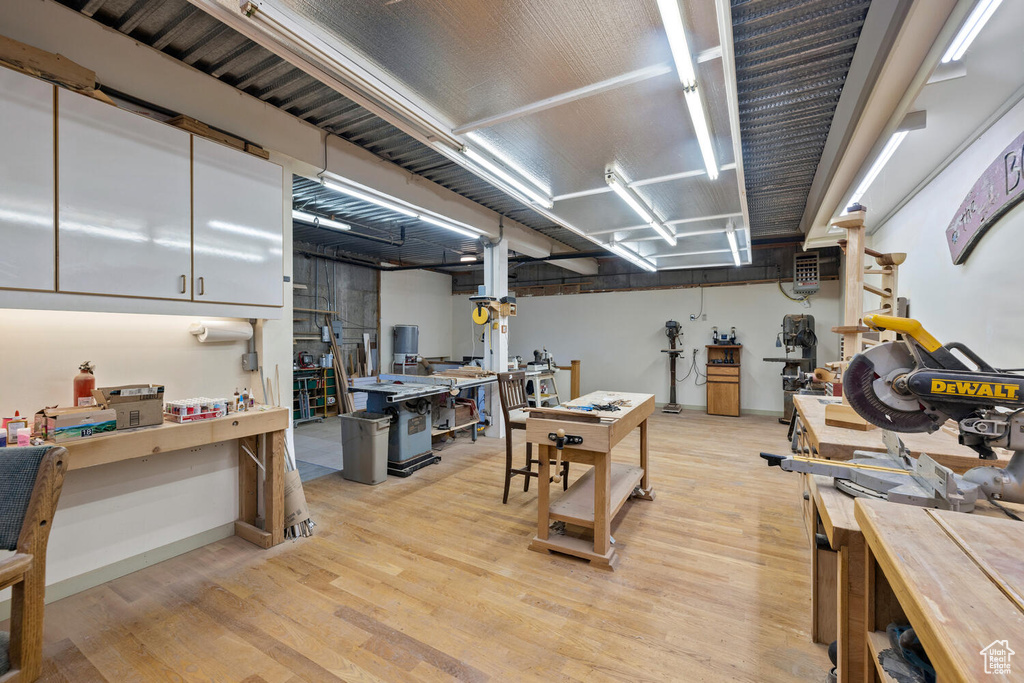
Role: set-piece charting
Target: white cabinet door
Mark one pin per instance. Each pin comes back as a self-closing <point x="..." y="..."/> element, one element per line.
<point x="238" y="226"/>
<point x="124" y="212"/>
<point x="26" y="182"/>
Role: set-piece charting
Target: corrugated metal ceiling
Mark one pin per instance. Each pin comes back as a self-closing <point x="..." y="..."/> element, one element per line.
<point x="201" y="41"/>
<point x="792" y="57"/>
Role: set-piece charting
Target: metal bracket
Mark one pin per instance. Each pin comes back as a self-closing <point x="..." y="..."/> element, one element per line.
<point x="564" y="440"/>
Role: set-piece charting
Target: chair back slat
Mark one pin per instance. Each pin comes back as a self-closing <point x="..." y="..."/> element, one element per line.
<point x="512" y="391"/>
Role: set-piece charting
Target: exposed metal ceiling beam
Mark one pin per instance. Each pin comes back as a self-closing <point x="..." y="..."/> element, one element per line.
<point x="563" y="98"/>
<point x="581" y="93"/>
<point x="644" y="181"/>
<point x="678" y="221"/>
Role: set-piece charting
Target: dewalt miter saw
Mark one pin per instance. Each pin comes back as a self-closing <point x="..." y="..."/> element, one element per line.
<point x="916" y="384"/>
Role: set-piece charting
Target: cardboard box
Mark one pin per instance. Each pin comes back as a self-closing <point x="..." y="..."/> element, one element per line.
<point x="295" y="508"/>
<point x="136" y="405"/>
<point x="69" y="424"/>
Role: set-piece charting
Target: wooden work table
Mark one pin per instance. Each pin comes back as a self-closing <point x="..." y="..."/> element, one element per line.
<point x="839" y="592"/>
<point x="248" y="427"/>
<point x="596" y="497"/>
<point x="956" y="578"/>
<point x="817" y="439"/>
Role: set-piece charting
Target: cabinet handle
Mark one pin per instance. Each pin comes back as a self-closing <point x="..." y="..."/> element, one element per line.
<point x="202" y="288"/>
<point x="184" y="280"/>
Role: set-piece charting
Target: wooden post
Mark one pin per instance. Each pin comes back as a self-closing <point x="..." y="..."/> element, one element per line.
<point x="273" y="487"/>
<point x="574" y="382"/>
<point x="852" y="329"/>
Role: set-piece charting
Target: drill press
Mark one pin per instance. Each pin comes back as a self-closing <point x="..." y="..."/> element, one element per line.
<point x="674" y="332"/>
<point x="797" y="372"/>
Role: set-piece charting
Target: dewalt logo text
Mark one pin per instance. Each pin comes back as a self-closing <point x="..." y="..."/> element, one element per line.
<point x="1009" y="392"/>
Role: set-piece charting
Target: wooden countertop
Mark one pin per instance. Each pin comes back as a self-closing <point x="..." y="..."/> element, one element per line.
<point x="171" y="436"/>
<point x="959" y="578"/>
<point x="838" y="443"/>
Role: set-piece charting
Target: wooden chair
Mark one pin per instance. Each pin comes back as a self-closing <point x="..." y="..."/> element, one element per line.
<point x="512" y="391"/>
<point x="31" y="479"/>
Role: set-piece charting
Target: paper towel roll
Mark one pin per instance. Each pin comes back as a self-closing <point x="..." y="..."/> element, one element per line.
<point x="221" y="330"/>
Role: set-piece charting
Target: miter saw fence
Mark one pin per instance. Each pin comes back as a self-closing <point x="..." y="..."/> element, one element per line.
<point x="916" y="384"/>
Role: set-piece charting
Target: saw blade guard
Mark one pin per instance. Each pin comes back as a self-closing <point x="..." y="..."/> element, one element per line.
<point x="868" y="386"/>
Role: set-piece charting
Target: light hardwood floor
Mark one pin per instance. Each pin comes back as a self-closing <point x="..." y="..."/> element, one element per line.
<point x="429" y="578"/>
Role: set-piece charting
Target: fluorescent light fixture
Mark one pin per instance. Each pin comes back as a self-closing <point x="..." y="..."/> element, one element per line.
<point x="673" y="21"/>
<point x="373" y="199"/>
<point x="495" y="168"/>
<point x="730" y="233"/>
<point x="876" y="168"/>
<point x="700" y="127"/>
<point x="631" y="198"/>
<point x="632" y="256"/>
<point x="468" y="259"/>
<point x="449" y="225"/>
<point x="969" y="31"/>
<point x="319" y="221"/>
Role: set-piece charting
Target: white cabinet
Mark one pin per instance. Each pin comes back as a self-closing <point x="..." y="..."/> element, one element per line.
<point x="124" y="223"/>
<point x="26" y="182"/>
<point x="237" y="226"/>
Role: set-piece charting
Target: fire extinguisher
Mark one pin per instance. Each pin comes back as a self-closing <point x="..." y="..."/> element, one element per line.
<point x="85" y="382"/>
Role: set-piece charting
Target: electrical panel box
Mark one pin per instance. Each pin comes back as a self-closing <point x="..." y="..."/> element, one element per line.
<point x="806" y="279"/>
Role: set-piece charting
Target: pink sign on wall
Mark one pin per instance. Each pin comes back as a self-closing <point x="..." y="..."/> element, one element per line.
<point x="997" y="191"/>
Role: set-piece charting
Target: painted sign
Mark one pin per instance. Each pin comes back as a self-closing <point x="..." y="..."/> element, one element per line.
<point x="997" y="191"/>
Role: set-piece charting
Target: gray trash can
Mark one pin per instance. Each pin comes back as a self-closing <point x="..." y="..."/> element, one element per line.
<point x="364" y="446"/>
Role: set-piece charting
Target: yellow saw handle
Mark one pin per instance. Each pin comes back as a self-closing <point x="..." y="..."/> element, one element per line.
<point x="905" y="326"/>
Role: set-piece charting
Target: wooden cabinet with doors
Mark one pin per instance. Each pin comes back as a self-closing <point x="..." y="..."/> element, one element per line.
<point x="124" y="220"/>
<point x="26" y="182"/>
<point x="723" y="379"/>
<point x="238" y="226"/>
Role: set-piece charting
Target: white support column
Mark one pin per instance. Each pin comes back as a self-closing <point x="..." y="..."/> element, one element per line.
<point x="496" y="349"/>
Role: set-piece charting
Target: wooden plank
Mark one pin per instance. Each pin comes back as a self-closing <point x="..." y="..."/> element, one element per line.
<point x="878" y="641"/>
<point x="955" y="609"/>
<point x="824" y="610"/>
<point x="579" y="547"/>
<point x="201" y="129"/>
<point x="564" y="415"/>
<point x="248" y="532"/>
<point x="273" y="487"/>
<point x="171" y="436"/>
<point x="52" y="67"/>
<point x="576" y="505"/>
<point x="836" y="443"/>
<point x="248" y="480"/>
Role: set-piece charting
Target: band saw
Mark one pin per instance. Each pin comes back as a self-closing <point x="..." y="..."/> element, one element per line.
<point x="916" y="384"/>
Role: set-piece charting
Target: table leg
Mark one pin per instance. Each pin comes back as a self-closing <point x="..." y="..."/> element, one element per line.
<point x="602" y="502"/>
<point x="853" y="611"/>
<point x="273" y="487"/>
<point x="543" y="491"/>
<point x="646" y="490"/>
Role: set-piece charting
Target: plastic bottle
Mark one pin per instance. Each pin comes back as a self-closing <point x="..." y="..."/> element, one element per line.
<point x="85" y="382"/>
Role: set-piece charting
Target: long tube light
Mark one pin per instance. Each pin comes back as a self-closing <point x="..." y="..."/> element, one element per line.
<point x="876" y="168"/>
<point x="631" y="198"/>
<point x="972" y="27"/>
<point x="632" y="256"/>
<point x="449" y="225"/>
<point x="676" y="33"/>
<point x="495" y="168"/>
<point x="730" y="233"/>
<point x="439" y="221"/>
<point x="384" y="203"/>
<point x="319" y="221"/>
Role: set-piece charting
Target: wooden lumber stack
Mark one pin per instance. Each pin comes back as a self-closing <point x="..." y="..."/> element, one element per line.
<point x="197" y="127"/>
<point x="50" y="67"/>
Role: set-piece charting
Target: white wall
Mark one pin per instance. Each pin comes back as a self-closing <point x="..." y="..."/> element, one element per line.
<point x="619" y="336"/>
<point x="416" y="297"/>
<point x="977" y="303"/>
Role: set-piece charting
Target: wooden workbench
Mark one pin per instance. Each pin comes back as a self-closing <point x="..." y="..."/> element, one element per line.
<point x="248" y="427"/>
<point x="956" y="578"/>
<point x="837" y="443"/>
<point x="596" y="497"/>
<point x="839" y="591"/>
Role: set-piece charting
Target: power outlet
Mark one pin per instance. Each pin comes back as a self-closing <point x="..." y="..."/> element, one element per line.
<point x="693" y="316"/>
<point x="704" y="317"/>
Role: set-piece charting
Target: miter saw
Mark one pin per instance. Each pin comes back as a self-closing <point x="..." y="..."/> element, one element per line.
<point x="916" y="384"/>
